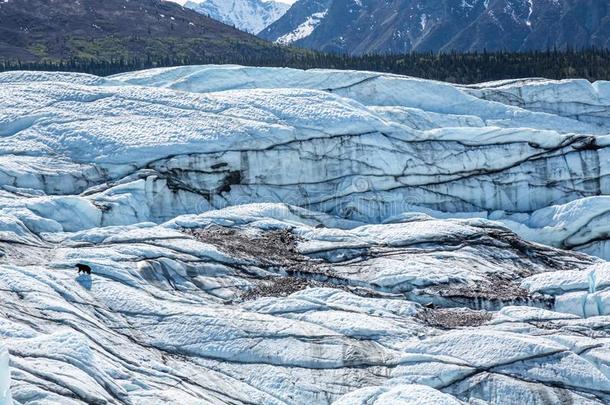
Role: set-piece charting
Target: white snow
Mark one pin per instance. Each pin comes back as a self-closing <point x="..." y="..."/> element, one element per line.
<point x="304" y="30"/>
<point x="248" y="15"/>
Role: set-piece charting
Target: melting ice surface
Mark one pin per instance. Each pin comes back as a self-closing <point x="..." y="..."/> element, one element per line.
<point x="5" y="378"/>
<point x="278" y="236"/>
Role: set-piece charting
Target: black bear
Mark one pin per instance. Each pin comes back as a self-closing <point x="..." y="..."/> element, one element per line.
<point x="83" y="268"/>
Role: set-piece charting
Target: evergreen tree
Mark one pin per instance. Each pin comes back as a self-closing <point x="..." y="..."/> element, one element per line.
<point x="462" y="68"/>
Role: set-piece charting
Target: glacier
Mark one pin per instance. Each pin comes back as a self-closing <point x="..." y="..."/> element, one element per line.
<point x="280" y="236"/>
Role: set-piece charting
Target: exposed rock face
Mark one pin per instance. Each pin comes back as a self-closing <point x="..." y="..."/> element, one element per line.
<point x="398" y="26"/>
<point x="280" y="236"/>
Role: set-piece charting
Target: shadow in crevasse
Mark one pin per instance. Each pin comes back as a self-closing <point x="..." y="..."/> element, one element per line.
<point x="84" y="280"/>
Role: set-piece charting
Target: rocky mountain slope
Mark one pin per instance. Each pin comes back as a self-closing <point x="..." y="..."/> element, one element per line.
<point x="397" y="26"/>
<point x="276" y="236"/>
<point x="247" y="15"/>
<point x="33" y="30"/>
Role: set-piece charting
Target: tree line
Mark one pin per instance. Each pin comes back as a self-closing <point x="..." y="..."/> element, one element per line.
<point x="463" y="68"/>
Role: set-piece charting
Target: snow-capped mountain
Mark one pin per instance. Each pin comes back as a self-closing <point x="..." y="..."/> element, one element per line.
<point x="247" y="15"/>
<point x="374" y="26"/>
<point x="279" y="236"/>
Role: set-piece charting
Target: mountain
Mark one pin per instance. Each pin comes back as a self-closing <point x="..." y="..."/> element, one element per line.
<point x="398" y="26"/>
<point x="278" y="236"/>
<point x="34" y="30"/>
<point x="298" y="23"/>
<point x="247" y="15"/>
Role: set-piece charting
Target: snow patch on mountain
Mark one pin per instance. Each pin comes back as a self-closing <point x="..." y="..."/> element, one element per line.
<point x="247" y="15"/>
<point x="303" y="30"/>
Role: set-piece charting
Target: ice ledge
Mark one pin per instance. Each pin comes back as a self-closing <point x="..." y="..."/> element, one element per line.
<point x="151" y="145"/>
<point x="5" y="378"/>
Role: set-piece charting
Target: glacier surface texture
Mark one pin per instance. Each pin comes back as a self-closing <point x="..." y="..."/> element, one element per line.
<point x="278" y="236"/>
